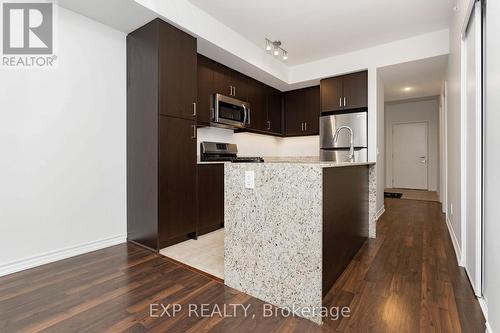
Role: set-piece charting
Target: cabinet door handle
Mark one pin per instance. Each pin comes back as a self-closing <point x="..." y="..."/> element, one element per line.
<point x="305" y="126"/>
<point x="194" y="109"/>
<point x="340" y="101"/>
<point x="302" y="127"/>
<point x="234" y="91"/>
<point x="268" y="125"/>
<point x="194" y="131"/>
<point x="230" y="90"/>
<point x="344" y="101"/>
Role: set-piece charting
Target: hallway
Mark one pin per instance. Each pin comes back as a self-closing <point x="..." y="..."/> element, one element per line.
<point x="405" y="280"/>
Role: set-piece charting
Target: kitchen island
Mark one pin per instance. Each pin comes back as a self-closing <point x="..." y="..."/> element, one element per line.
<point x="290" y="237"/>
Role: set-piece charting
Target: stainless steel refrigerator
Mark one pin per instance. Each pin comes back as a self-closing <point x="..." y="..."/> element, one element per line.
<point x="339" y="150"/>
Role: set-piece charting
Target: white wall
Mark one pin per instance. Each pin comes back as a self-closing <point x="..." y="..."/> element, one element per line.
<point x="453" y="124"/>
<point x="442" y="146"/>
<point x="250" y="144"/>
<point x="62" y="138"/>
<point x="421" y="110"/>
<point x="492" y="163"/>
<point x="380" y="145"/>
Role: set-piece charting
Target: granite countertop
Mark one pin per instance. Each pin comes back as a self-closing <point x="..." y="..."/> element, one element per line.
<point x="311" y="160"/>
<point x="322" y="164"/>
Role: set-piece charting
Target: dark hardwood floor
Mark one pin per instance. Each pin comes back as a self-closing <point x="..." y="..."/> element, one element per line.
<point x="406" y="280"/>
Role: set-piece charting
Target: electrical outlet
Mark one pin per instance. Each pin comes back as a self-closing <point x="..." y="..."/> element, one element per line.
<point x="250" y="179"/>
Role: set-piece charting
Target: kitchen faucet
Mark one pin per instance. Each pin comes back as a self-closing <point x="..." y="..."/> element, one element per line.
<point x="336" y="136"/>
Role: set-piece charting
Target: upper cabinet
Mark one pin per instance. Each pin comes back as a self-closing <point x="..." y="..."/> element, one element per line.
<point x="265" y="102"/>
<point x="345" y="92"/>
<point x="177" y="72"/>
<point x="302" y="111"/>
<point x="206" y="89"/>
<point x="331" y="94"/>
<point x="257" y="98"/>
<point x="274" y="122"/>
<point x="229" y="82"/>
<point x="356" y="90"/>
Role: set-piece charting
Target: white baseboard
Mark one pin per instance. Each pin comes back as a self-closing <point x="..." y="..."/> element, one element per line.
<point x="380" y="212"/>
<point x="484" y="307"/>
<point x="48" y="257"/>
<point x="454" y="240"/>
<point x="488" y="327"/>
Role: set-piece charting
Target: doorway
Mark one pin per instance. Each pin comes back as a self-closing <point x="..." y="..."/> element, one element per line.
<point x="410" y="155"/>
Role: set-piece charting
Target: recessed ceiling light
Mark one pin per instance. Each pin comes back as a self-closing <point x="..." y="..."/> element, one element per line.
<point x="407" y="88"/>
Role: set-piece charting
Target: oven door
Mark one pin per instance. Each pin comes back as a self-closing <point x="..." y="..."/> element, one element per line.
<point x="230" y="112"/>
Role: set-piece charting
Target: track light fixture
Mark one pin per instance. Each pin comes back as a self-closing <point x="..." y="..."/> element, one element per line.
<point x="275" y="46"/>
<point x="268" y="45"/>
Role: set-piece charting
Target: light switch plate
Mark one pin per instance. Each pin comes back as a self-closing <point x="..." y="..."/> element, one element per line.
<point x="250" y="179"/>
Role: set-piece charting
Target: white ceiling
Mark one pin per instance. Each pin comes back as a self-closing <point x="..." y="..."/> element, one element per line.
<point x="312" y="30"/>
<point x="423" y="78"/>
<point x="124" y="15"/>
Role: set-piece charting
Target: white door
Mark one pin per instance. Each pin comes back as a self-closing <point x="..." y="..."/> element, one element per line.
<point x="409" y="156"/>
<point x="473" y="158"/>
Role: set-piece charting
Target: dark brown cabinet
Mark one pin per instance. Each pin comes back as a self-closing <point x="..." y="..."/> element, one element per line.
<point x="258" y="106"/>
<point x="206" y="89"/>
<point x="210" y="197"/>
<point x="302" y="112"/>
<point x="242" y="86"/>
<point x="331" y="94"/>
<point x="161" y="135"/>
<point x="274" y="122"/>
<point x="265" y="102"/>
<point x="356" y="90"/>
<point x="229" y="82"/>
<point x="222" y="81"/>
<point x="177" y="72"/>
<point x="344" y="92"/>
<point x="177" y="180"/>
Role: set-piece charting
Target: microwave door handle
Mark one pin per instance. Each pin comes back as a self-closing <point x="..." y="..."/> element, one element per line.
<point x="245" y="116"/>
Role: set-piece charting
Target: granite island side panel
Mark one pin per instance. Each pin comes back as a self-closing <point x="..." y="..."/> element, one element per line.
<point x="273" y="232"/>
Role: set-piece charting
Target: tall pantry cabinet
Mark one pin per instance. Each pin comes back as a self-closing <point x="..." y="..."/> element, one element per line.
<point x="161" y="135"/>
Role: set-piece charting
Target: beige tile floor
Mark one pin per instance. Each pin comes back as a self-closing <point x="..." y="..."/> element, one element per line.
<point x="415" y="194"/>
<point x="206" y="253"/>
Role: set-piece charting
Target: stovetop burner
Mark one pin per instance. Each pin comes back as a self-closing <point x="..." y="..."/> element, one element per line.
<point x="247" y="160"/>
<point x="224" y="152"/>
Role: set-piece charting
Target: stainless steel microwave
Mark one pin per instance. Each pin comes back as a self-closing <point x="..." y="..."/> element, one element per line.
<point x="229" y="112"/>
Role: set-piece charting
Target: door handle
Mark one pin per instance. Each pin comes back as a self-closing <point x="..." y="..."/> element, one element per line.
<point x="344" y="101"/>
<point x="305" y="126"/>
<point x="234" y="91"/>
<point x="245" y="115"/>
<point x="230" y="90"/>
<point x="194" y="131"/>
<point x="268" y="125"/>
<point x="194" y="109"/>
<point x="340" y="101"/>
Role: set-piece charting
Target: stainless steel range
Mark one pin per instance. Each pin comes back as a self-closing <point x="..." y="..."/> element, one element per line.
<point x="224" y="152"/>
